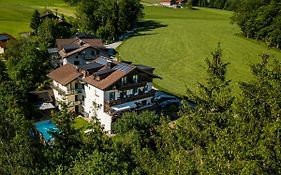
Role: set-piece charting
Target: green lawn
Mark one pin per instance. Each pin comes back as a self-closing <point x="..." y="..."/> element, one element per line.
<point x="16" y="14"/>
<point x="80" y="123"/>
<point x="178" y="49"/>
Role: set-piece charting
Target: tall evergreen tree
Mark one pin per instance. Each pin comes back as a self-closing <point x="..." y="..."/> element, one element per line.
<point x="35" y="20"/>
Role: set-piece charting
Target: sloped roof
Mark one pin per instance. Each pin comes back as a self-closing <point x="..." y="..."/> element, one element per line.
<point x="4" y="38"/>
<point x="64" y="54"/>
<point x="65" y="74"/>
<point x="44" y="96"/>
<point x="93" y="42"/>
<point x="108" y="81"/>
<point x="116" y="73"/>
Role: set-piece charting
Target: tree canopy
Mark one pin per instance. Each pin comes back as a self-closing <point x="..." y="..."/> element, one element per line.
<point x="108" y="19"/>
<point x="260" y="20"/>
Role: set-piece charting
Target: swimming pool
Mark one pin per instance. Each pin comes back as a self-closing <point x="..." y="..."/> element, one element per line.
<point x="44" y="127"/>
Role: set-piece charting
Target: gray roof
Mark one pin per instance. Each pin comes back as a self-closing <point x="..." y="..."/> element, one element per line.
<point x="105" y="71"/>
<point x="70" y="47"/>
<point x="123" y="67"/>
<point x="102" y="60"/>
<point x="3" y="37"/>
<point x="53" y="50"/>
<point x="45" y="106"/>
<point x="90" y="66"/>
<point x="143" y="67"/>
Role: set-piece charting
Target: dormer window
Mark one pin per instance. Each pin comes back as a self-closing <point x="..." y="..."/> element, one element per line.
<point x="136" y="78"/>
<point x="93" y="53"/>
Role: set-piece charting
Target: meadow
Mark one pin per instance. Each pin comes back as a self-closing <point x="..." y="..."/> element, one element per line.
<point x="182" y="39"/>
<point x="174" y="41"/>
<point x="16" y="14"/>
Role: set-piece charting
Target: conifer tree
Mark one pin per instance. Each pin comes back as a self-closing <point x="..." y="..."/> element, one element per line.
<point x="35" y="20"/>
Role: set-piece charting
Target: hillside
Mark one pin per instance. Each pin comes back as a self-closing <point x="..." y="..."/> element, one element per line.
<point x="16" y="14"/>
<point x="182" y="39"/>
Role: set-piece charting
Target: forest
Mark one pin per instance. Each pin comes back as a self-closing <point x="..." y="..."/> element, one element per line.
<point x="219" y="4"/>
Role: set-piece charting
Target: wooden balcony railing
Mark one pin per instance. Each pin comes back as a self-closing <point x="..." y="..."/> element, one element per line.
<point x="74" y="103"/>
<point x="68" y="92"/>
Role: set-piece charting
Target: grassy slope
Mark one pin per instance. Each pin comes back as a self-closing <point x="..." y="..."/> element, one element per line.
<point x="178" y="50"/>
<point x="16" y="14"/>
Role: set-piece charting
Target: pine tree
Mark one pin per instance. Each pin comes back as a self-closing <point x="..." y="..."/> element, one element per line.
<point x="35" y="20"/>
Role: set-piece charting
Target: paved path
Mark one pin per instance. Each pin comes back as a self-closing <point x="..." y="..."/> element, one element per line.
<point x="113" y="45"/>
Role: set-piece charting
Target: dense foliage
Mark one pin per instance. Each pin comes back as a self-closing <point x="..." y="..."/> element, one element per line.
<point x="108" y="19"/>
<point x="27" y="64"/>
<point x="219" y="4"/>
<point x="72" y="2"/>
<point x="260" y="20"/>
<point x="48" y="29"/>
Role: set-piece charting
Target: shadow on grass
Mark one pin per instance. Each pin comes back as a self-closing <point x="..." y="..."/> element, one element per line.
<point x="147" y="26"/>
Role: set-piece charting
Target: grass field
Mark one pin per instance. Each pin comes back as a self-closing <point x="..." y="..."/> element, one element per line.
<point x="182" y="39"/>
<point x="16" y="14"/>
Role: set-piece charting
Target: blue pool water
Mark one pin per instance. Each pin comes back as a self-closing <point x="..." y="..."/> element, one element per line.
<point x="44" y="127"/>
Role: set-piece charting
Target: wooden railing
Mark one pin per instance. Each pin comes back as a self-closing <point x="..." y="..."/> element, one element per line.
<point x="68" y="92"/>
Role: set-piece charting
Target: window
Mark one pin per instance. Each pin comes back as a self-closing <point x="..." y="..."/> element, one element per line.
<point x="76" y="97"/>
<point x="96" y="94"/>
<point x="145" y="89"/>
<point x="144" y="102"/>
<point x="123" y="94"/>
<point x="135" y="91"/>
<point x="76" y="62"/>
<point x="123" y="80"/>
<point x="98" y="52"/>
<point x="112" y="96"/>
<point x="136" y="78"/>
<point x="76" y="86"/>
<point x="93" y="53"/>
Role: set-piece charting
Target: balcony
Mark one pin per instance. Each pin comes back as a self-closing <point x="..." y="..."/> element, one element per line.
<point x="130" y="106"/>
<point x="73" y="103"/>
<point x="132" y="98"/>
<point x="68" y="92"/>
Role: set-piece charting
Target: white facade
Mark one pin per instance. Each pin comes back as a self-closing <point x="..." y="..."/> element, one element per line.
<point x="1" y="50"/>
<point x="165" y="3"/>
<point x="93" y="105"/>
<point x="68" y="94"/>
